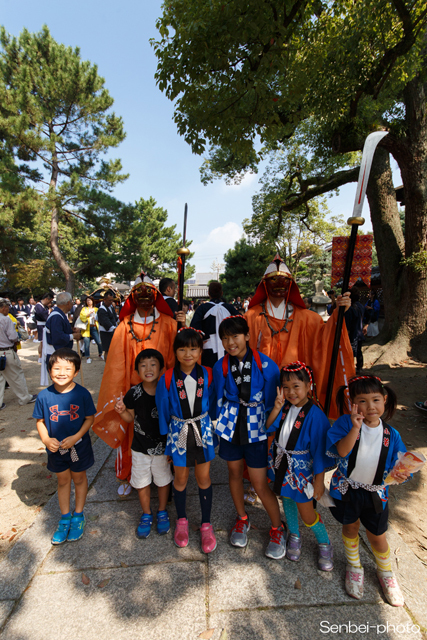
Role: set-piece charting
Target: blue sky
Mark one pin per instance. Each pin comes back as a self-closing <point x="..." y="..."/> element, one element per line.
<point x="115" y="36"/>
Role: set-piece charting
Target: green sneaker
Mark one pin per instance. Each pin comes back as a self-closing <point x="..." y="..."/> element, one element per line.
<point x="77" y="528"/>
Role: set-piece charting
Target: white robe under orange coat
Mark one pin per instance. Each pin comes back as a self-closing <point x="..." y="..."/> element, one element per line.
<point x="120" y="375"/>
<point x="309" y="340"/>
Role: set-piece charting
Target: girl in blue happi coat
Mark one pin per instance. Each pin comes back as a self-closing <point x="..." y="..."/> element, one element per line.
<point x="297" y="458"/>
<point x="185" y="398"/>
<point x="366" y="449"/>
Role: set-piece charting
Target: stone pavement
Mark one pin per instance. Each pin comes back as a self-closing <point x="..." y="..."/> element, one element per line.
<point x="112" y="585"/>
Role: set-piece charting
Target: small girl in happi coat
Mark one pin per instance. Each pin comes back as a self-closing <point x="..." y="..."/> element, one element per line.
<point x="366" y="448"/>
<point x="185" y="398"/>
<point x="297" y="459"/>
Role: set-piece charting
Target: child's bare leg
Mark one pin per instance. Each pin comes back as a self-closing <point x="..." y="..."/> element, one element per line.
<point x="235" y="482"/>
<point x="181" y="478"/>
<point x="307" y="512"/>
<point x="351" y="530"/>
<point x="201" y="471"/>
<point x="163" y="494"/>
<point x="379" y="543"/>
<point x="144" y="495"/>
<point x="64" y="490"/>
<point x="80" y="485"/>
<point x="259" y="482"/>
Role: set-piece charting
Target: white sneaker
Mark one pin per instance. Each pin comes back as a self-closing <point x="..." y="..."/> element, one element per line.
<point x="88" y="361"/>
<point x="93" y="342"/>
<point x="102" y="356"/>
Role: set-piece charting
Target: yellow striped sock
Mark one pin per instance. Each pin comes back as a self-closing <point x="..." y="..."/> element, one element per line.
<point x="383" y="560"/>
<point x="351" y="550"/>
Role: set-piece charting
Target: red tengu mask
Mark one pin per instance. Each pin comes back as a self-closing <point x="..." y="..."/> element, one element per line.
<point x="278" y="286"/>
<point x="144" y="296"/>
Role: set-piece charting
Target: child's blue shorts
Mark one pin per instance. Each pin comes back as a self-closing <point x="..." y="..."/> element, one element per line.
<point x="58" y="462"/>
<point x="255" y="454"/>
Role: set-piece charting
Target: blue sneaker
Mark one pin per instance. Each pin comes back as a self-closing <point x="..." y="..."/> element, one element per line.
<point x="163" y="524"/>
<point x="61" y="533"/>
<point x="77" y="528"/>
<point x="144" y="528"/>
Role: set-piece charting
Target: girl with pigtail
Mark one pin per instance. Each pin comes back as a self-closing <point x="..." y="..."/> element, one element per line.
<point x="297" y="458"/>
<point x="366" y="448"/>
<point x="185" y="399"/>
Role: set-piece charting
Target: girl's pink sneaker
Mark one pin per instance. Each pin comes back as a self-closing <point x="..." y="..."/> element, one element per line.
<point x="180" y="536"/>
<point x="208" y="538"/>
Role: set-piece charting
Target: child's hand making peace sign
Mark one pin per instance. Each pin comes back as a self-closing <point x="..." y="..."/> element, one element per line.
<point x="356" y="417"/>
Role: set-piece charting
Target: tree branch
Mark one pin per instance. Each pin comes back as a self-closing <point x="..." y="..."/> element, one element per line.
<point x="322" y="185"/>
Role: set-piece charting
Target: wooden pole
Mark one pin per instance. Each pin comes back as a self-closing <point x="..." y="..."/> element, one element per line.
<point x="182" y="253"/>
<point x="365" y="168"/>
<point x="354" y="222"/>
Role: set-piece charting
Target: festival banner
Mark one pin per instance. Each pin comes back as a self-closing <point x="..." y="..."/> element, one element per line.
<point x="362" y="260"/>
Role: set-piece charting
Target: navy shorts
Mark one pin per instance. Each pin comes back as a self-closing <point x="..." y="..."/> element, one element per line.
<point x="361" y="506"/>
<point x="40" y="332"/>
<point x="255" y="454"/>
<point x="57" y="462"/>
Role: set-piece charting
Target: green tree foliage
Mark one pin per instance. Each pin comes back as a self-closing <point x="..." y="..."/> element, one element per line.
<point x="241" y="74"/>
<point x="149" y="245"/>
<point x="245" y="265"/>
<point x="298" y="231"/>
<point x="56" y="115"/>
<point x="241" y="70"/>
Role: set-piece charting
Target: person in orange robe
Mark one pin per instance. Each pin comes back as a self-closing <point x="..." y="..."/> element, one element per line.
<point x="146" y="322"/>
<point x="283" y="329"/>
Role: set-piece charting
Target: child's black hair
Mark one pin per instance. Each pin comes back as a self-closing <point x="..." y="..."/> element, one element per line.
<point x="149" y="353"/>
<point x="64" y="354"/>
<point x="363" y="385"/>
<point x="187" y="337"/>
<point x="302" y="372"/>
<point x="289" y="372"/>
<point x="232" y="326"/>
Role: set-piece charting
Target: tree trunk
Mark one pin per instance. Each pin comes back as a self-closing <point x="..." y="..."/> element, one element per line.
<point x="410" y="306"/>
<point x="388" y="236"/>
<point x="411" y="154"/>
<point x="54" y="231"/>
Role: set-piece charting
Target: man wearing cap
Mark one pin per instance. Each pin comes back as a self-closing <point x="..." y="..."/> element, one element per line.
<point x="146" y="322"/>
<point x="282" y="328"/>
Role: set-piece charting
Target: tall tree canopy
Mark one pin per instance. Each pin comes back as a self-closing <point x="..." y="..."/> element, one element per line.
<point x="241" y="73"/>
<point x="56" y="116"/>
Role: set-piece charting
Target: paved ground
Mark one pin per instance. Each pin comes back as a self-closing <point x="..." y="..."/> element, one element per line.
<point x="112" y="585"/>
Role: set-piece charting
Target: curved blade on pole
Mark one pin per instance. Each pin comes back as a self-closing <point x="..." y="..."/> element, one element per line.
<point x="365" y="169"/>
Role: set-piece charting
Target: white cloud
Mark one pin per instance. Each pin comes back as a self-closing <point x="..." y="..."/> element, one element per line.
<point x="215" y="244"/>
